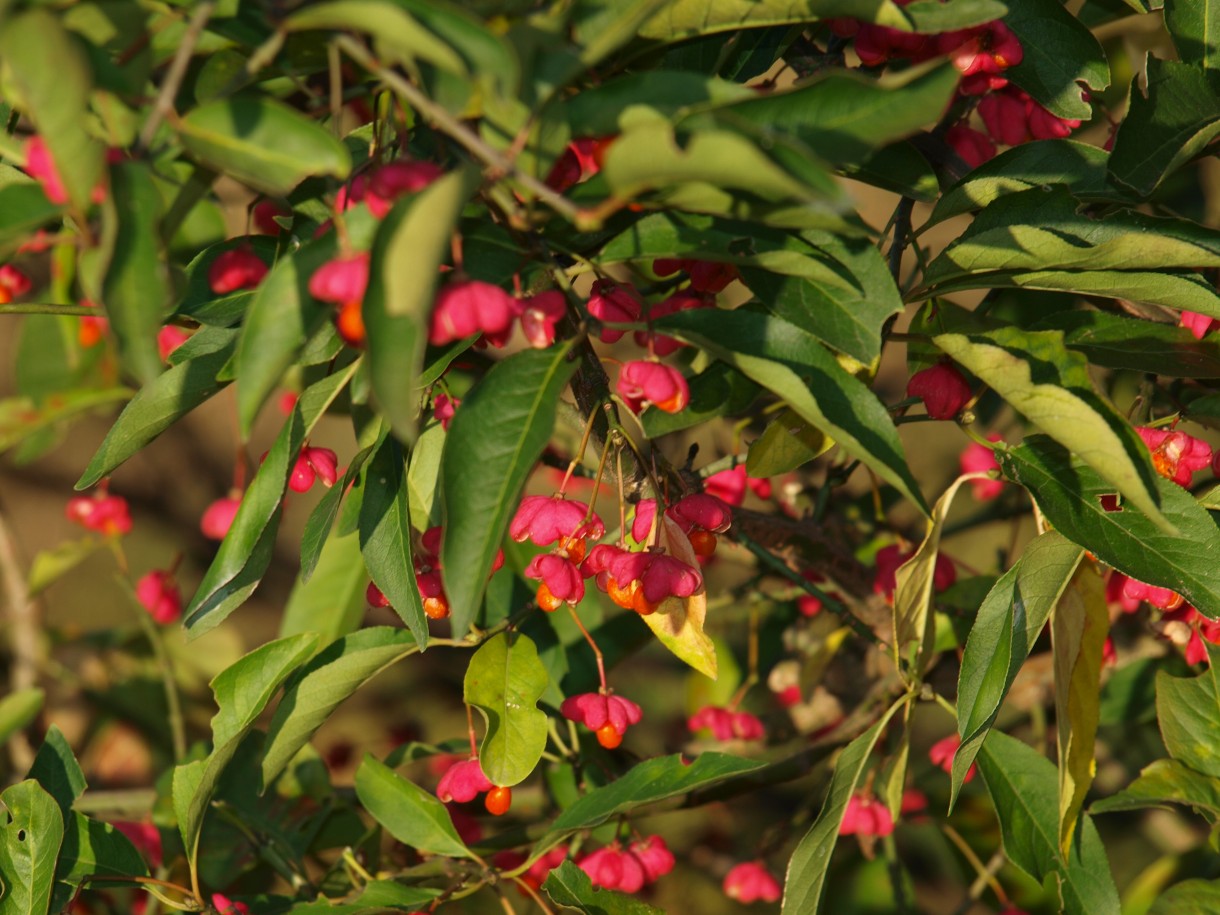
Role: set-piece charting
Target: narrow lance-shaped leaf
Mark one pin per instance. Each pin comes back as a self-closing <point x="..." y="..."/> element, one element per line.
<point x="1009" y="621"/>
<point x="326" y="681"/>
<point x="913" y="633"/>
<point x="810" y="861"/>
<point x="1079" y="627"/>
<point x="1022" y="785"/>
<point x="245" y="553"/>
<point x="504" y="681"/>
<point x="1078" y="502"/>
<point x="1050" y="385"/>
<point x="493" y="443"/>
<point x="409" y="813"/>
<point x="795" y="366"/>
<point x="385" y="536"/>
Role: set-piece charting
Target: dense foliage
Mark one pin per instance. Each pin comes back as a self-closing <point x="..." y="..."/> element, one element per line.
<point x="624" y="364"/>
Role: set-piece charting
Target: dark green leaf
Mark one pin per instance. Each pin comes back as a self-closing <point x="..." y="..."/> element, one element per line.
<point x="55" y="768"/>
<point x="409" y="813"/>
<point x="92" y="849"/>
<point x="1167" y="127"/>
<point x="570" y="887"/>
<point x="398" y="34"/>
<point x="201" y="303"/>
<point x="1009" y="622"/>
<point x="1121" y="342"/>
<point x="136" y="290"/>
<point x="492" y="445"/>
<point x="1070" y="494"/>
<point x="810" y="861"/>
<point x="794" y="365"/>
<point x="648" y="782"/>
<point x="385" y="536"/>
<point x="1080" y="166"/>
<point x="156" y="407"/>
<point x="418" y="231"/>
<point x="331" y="603"/>
<point x="322" y="518"/>
<point x="51" y="79"/>
<point x="1194" y="26"/>
<point x="23" y="208"/>
<point x="262" y="143"/>
<point x="786" y="443"/>
<point x="245" y="553"/>
<point x="1188" y="709"/>
<point x="242" y="691"/>
<point x="504" y="681"/>
<point x="30" y="837"/>
<point x="334" y="674"/>
<point x="596" y="112"/>
<point x="1061" y="55"/>
<point x="376" y="898"/>
<point x="1024" y="788"/>
<point x="1051" y="387"/>
<point x="1190" y="897"/>
<point x="843" y="117"/>
<point x="1165" y="782"/>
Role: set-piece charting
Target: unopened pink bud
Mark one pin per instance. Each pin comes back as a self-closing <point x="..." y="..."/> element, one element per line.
<point x="159" y="594"/>
<point x="341" y="280"/>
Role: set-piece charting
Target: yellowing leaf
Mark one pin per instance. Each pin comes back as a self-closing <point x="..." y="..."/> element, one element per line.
<point x="678" y="622"/>
<point x="1079" y="626"/>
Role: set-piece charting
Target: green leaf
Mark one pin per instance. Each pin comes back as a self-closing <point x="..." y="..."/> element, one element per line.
<point x="1188" y="709"/>
<point x="18" y="709"/>
<point x="1079" y="627"/>
<point x="686" y="18"/>
<point x="504" y="681"/>
<point x="795" y="366"/>
<point x="334" y="674"/>
<point x="242" y="691"/>
<point x="646" y="783"/>
<point x="136" y="289"/>
<point x="570" y="887"/>
<point x="30" y="837"/>
<point x="331" y="603"/>
<point x="1070" y="494"/>
<point x="914" y="630"/>
<point x="1080" y="166"/>
<point x="678" y="621"/>
<point x="597" y="111"/>
<point x="23" y="208"/>
<point x="92" y="849"/>
<point x="1167" y="127"/>
<point x="55" y="768"/>
<point x="322" y="518"/>
<point x="1050" y="386"/>
<point x="377" y="897"/>
<point x="409" y="813"/>
<point x="1008" y="624"/>
<point x="843" y="117"/>
<point x="810" y="861"/>
<point x="156" y="407"/>
<point x="423" y="477"/>
<point x="1164" y="782"/>
<point x="1022" y="784"/>
<point x="1122" y="342"/>
<point x="48" y="566"/>
<point x="385" y="536"/>
<point x="1190" y="897"/>
<point x="245" y="553"/>
<point x="50" y="79"/>
<point x="398" y="35"/>
<point x="787" y="443"/>
<point x="1194" y="26"/>
<point x="396" y="306"/>
<point x="1041" y="229"/>
<point x="1061" y="55"/>
<point x="262" y="143"/>
<point x="493" y="442"/>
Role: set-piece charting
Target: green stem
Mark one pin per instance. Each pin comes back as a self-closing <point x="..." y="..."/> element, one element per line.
<point x="47" y="308"/>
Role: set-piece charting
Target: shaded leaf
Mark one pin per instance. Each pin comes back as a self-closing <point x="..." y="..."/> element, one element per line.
<point x="505" y="680"/>
<point x="570" y="887"/>
<point x="318" y="527"/>
<point x="1008" y="624"/>
<point x="1188" y="710"/>
<point x="327" y="680"/>
<point x="1022" y="784"/>
<point x="1121" y="342"/>
<point x="1050" y="386"/>
<point x="409" y="813"/>
<point x="1164" y="782"/>
<point x="787" y="443"/>
<point x="1194" y="26"/>
<point x="810" y="861"/>
<point x="1190" y="897"/>
<point x="262" y="143"/>
<point x="55" y="768"/>
<point x="398" y="34"/>
<point x="1070" y="494"/>
<point x="1061" y="55"/>
<point x="492" y="445"/>
<point x="23" y="209"/>
<point x="92" y="849"/>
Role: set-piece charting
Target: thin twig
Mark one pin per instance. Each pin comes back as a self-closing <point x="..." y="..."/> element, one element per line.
<point x="23" y="624"/>
<point x="174" y="75"/>
<point x="46" y="308"/>
<point x="454" y="128"/>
